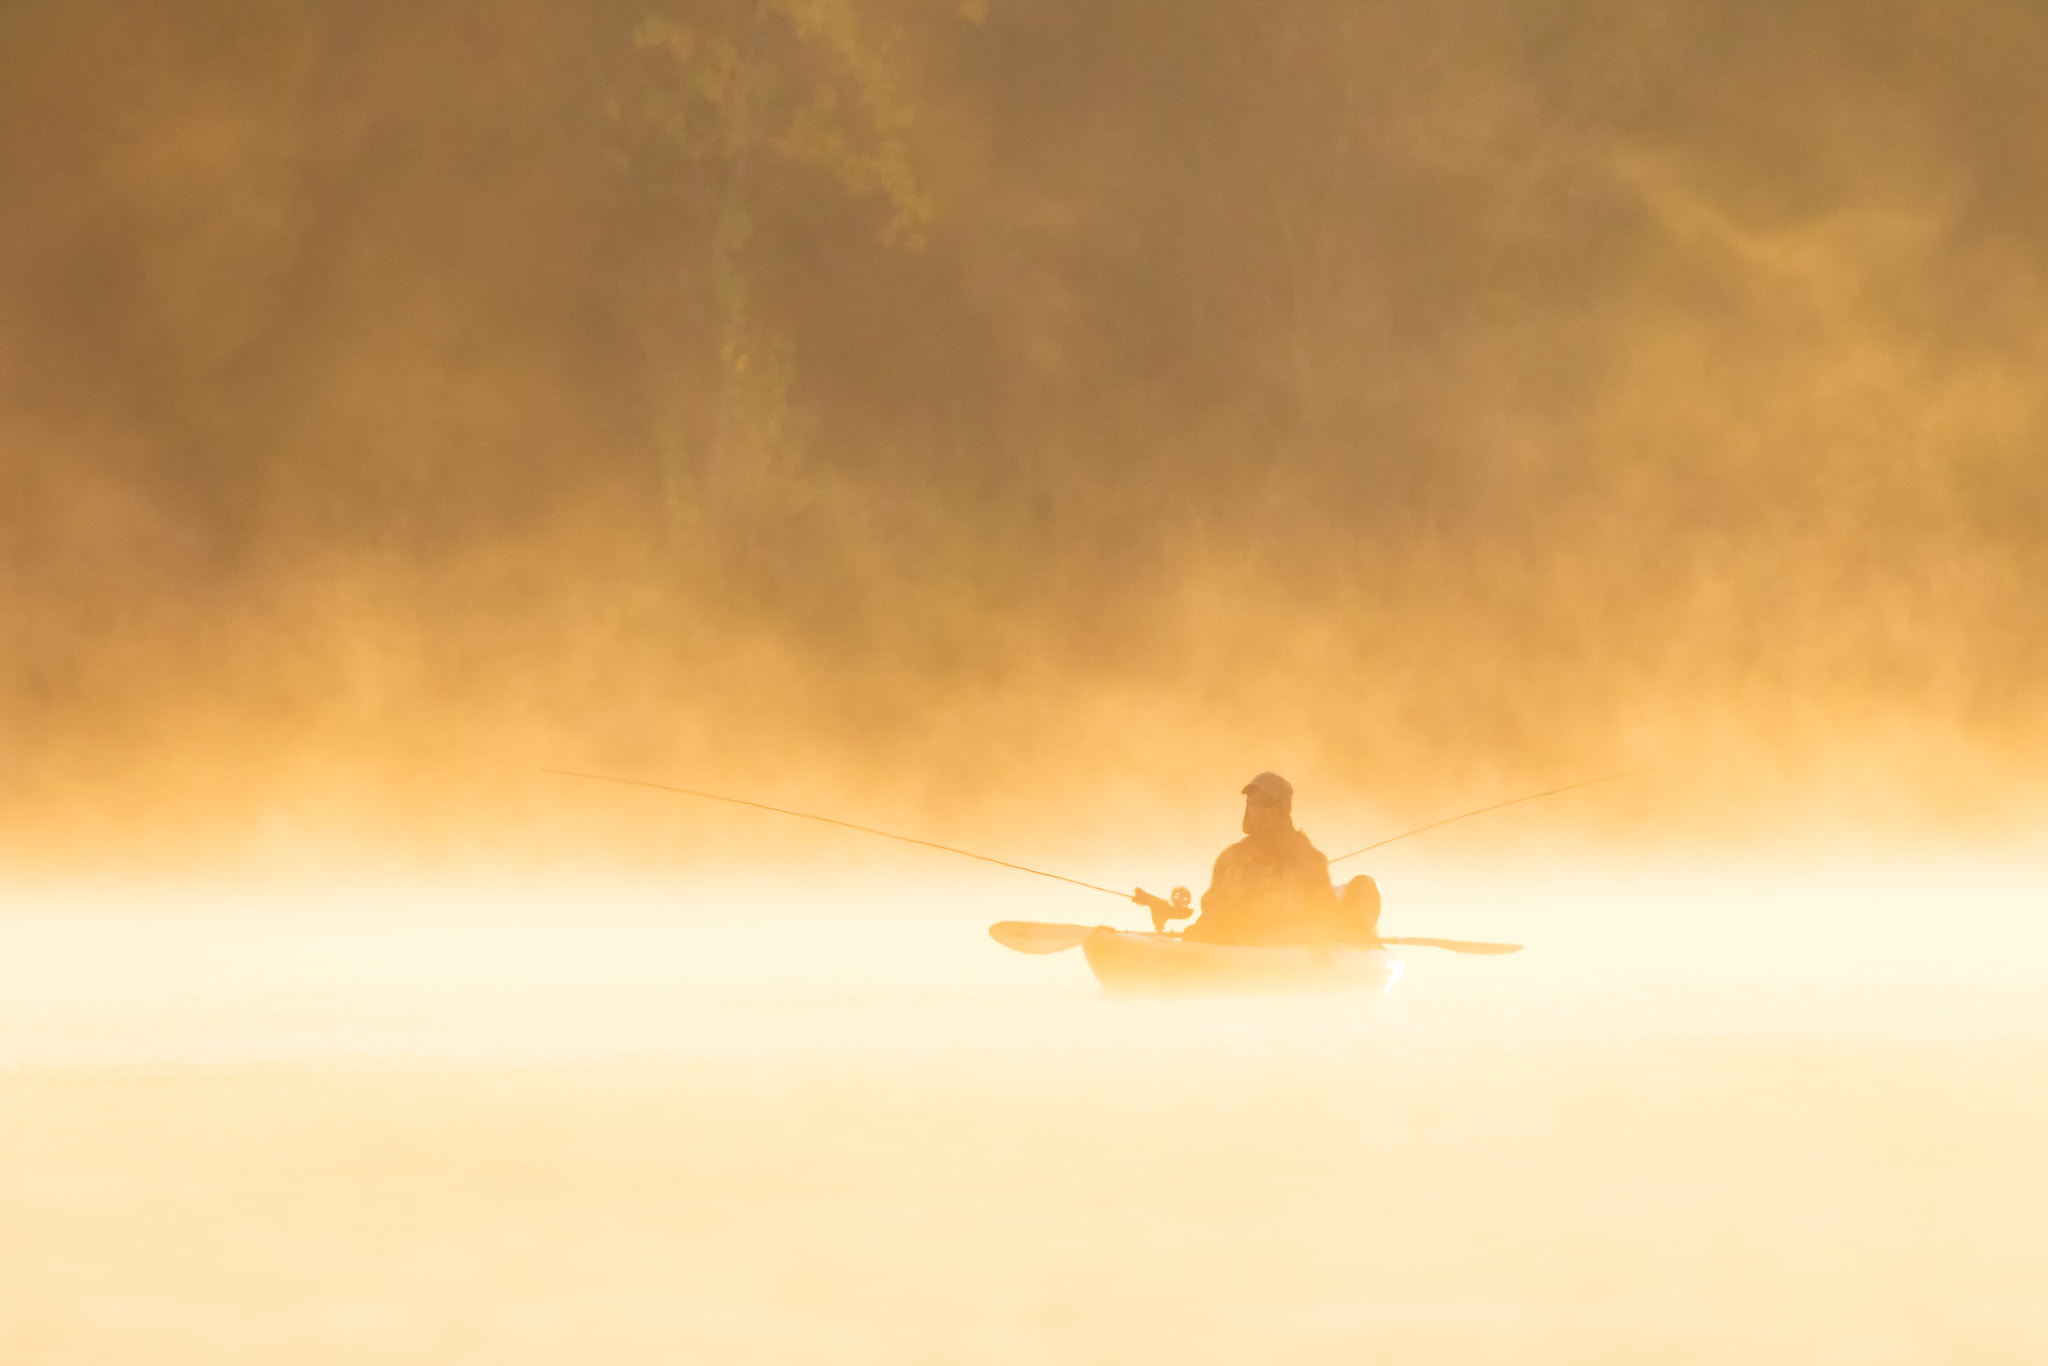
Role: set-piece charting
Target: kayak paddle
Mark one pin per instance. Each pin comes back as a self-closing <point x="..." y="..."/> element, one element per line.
<point x="1457" y="945"/>
<point x="1037" y="936"/>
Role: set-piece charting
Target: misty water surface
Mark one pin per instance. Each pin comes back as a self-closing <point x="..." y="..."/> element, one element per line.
<point x="762" y="1121"/>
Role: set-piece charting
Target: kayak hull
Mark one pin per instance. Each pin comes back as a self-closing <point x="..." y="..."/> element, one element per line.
<point x="1132" y="963"/>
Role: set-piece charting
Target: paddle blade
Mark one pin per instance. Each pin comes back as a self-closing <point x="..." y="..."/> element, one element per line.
<point x="1457" y="945"/>
<point x="1036" y="936"/>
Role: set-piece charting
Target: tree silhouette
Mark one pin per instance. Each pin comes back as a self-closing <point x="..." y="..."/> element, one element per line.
<point x="815" y="85"/>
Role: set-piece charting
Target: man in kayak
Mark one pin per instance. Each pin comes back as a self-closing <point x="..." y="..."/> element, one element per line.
<point x="1273" y="886"/>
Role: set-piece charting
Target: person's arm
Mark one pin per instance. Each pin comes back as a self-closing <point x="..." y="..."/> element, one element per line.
<point x="1322" y="915"/>
<point x="1221" y="903"/>
<point x="1222" y="893"/>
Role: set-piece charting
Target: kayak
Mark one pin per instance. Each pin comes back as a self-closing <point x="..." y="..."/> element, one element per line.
<point x="1127" y="961"/>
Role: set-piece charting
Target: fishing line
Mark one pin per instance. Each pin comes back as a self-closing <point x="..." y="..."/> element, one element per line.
<point x="846" y="825"/>
<point x="1534" y="796"/>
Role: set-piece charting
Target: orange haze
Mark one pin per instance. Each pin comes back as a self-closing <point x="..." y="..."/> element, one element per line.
<point x="1020" y="418"/>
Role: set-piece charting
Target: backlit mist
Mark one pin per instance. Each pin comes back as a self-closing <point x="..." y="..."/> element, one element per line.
<point x="1014" y="424"/>
<point x="939" y="409"/>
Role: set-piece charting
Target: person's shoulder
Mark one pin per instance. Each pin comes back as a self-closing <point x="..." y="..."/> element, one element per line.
<point x="1235" y="853"/>
<point x="1306" y="848"/>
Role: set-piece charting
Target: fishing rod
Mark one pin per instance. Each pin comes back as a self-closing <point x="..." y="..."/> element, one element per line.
<point x="1534" y="796"/>
<point x="1061" y="877"/>
<point x="844" y="825"/>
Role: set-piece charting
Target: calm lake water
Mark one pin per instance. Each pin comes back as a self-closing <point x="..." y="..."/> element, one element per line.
<point x="1756" y="1113"/>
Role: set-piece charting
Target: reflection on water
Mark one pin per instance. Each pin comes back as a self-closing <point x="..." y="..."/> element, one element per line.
<point x="1711" y="1114"/>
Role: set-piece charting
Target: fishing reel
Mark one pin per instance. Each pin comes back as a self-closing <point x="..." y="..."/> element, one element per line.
<point x="1180" y="908"/>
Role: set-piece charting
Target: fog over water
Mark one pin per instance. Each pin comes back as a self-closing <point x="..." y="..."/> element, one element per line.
<point x="1015" y="425"/>
<point x="1730" y="1112"/>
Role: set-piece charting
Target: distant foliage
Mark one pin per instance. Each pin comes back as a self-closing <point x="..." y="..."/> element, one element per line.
<point x="809" y="84"/>
<point x="1454" y="397"/>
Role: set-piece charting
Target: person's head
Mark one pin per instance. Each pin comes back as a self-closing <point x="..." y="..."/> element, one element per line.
<point x="1268" y="805"/>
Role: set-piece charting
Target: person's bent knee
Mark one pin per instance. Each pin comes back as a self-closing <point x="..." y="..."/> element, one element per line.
<point x="1362" y="903"/>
